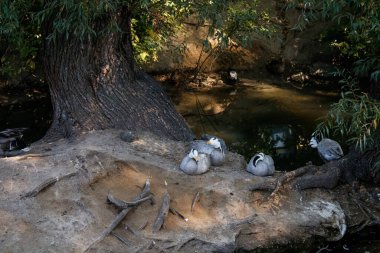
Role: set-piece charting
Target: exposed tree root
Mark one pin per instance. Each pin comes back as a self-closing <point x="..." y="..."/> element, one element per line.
<point x="47" y="183"/>
<point x="143" y="195"/>
<point x="122" y="238"/>
<point x="124" y="204"/>
<point x="162" y="213"/>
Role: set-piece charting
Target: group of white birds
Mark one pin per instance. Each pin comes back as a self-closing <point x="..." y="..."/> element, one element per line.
<point x="211" y="150"/>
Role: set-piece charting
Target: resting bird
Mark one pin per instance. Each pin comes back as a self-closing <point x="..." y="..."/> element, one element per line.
<point x="328" y="149"/>
<point x="207" y="137"/>
<point x="230" y="76"/>
<point x="195" y="163"/>
<point x="261" y="165"/>
<point x="11" y="143"/>
<point x="213" y="148"/>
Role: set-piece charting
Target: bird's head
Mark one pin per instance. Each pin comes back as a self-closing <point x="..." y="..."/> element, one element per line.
<point x="313" y="142"/>
<point x="194" y="154"/>
<point x="258" y="157"/>
<point x="233" y="75"/>
<point x="214" y="142"/>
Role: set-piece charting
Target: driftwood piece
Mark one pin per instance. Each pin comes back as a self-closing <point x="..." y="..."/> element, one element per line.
<point x="144" y="193"/>
<point x="124" y="204"/>
<point x="176" y="212"/>
<point x="48" y="182"/>
<point x="195" y="200"/>
<point x="162" y="213"/>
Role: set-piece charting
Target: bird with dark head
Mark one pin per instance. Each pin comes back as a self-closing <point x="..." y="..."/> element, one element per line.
<point x="328" y="149"/>
<point x="195" y="163"/>
<point x="261" y="165"/>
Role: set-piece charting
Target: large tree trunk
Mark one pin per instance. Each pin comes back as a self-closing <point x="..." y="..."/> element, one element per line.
<point x="94" y="85"/>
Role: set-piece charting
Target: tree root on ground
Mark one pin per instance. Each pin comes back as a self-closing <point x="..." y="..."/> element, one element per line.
<point x="309" y="176"/>
<point x="143" y="195"/>
<point x="47" y="183"/>
<point x="164" y="210"/>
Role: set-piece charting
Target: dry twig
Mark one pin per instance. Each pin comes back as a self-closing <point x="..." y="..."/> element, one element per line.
<point x="124" y="204"/>
<point x="162" y="213"/>
<point x="195" y="200"/>
<point x="176" y="212"/>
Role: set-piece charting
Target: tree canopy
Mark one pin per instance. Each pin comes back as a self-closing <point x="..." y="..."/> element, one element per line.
<point x="153" y="24"/>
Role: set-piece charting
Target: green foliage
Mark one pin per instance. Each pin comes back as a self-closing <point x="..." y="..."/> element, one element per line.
<point x="154" y="28"/>
<point x="355" y="118"/>
<point x="20" y="39"/>
<point x="357" y="37"/>
<point x="231" y="24"/>
<point x="358" y="23"/>
<point x="154" y="23"/>
<point x="233" y="20"/>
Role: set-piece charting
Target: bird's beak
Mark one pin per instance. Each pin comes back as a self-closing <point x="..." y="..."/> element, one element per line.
<point x="196" y="158"/>
<point x="208" y="142"/>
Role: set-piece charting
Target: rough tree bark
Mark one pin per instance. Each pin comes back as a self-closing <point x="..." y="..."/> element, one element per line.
<point x="94" y="85"/>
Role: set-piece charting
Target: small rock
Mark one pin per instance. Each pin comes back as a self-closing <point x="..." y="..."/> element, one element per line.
<point x="127" y="136"/>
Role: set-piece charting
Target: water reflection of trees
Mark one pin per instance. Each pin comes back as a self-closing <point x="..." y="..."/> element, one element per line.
<point x="287" y="144"/>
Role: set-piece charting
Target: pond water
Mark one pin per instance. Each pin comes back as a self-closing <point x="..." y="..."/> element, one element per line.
<point x="29" y="107"/>
<point x="258" y="116"/>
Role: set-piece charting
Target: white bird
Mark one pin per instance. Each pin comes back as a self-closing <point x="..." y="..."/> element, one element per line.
<point x="207" y="137"/>
<point x="195" y="163"/>
<point x="261" y="165"/>
<point x="328" y="149"/>
<point x="213" y="148"/>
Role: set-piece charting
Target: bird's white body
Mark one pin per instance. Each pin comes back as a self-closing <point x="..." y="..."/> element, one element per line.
<point x="261" y="165"/>
<point x="195" y="163"/>
<point x="213" y="148"/>
<point x="328" y="149"/>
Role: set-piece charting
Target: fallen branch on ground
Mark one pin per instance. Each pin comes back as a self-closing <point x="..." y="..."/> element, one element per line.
<point x="48" y="182"/>
<point x="175" y="212"/>
<point x="124" y="204"/>
<point x="162" y="213"/>
<point x="144" y="193"/>
<point x="122" y="239"/>
<point x="195" y="200"/>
